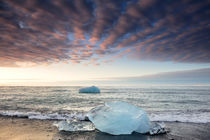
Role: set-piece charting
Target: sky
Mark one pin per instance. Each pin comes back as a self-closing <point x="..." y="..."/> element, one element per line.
<point x="46" y="41"/>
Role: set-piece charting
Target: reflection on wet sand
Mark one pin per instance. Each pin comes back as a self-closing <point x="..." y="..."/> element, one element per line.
<point x="95" y="135"/>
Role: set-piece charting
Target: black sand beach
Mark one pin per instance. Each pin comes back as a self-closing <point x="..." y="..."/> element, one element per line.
<point x="12" y="128"/>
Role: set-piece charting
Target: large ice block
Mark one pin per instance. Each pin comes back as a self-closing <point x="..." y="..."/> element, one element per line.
<point x="119" y="118"/>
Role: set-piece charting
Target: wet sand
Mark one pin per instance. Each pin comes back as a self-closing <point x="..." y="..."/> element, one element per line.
<point x="24" y="129"/>
<point x="12" y="128"/>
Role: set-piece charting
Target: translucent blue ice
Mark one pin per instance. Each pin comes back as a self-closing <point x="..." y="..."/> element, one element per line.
<point x="74" y="126"/>
<point x="119" y="118"/>
<point x="92" y="89"/>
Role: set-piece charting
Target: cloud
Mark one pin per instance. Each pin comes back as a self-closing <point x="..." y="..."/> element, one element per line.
<point x="197" y="76"/>
<point x="80" y="31"/>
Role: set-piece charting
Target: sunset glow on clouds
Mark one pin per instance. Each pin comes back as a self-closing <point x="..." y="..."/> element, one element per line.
<point x="93" y="32"/>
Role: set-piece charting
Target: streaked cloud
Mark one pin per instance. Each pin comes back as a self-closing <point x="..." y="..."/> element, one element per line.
<point x="100" y="31"/>
<point x="186" y="77"/>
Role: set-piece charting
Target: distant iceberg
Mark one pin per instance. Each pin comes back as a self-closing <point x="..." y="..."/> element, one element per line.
<point x="92" y="89"/>
<point x="119" y="118"/>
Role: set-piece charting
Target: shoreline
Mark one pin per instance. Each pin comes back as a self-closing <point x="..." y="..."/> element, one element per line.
<point x="12" y="128"/>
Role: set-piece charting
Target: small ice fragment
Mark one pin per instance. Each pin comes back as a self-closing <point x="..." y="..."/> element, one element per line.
<point x="74" y="126"/>
<point x="92" y="89"/>
<point x="157" y="128"/>
<point x="119" y="118"/>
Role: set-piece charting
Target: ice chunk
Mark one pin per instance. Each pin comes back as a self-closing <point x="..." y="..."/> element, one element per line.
<point x="74" y="126"/>
<point x="119" y="118"/>
<point x="157" y="128"/>
<point x="92" y="89"/>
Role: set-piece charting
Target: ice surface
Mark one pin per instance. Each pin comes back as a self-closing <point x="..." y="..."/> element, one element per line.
<point x="75" y="126"/>
<point x="92" y="89"/>
<point x="119" y="118"/>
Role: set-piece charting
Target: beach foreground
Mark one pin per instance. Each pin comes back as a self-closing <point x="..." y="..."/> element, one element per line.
<point x="26" y="129"/>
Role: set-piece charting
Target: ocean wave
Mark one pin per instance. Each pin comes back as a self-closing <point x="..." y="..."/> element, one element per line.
<point x="176" y="116"/>
<point x="181" y="116"/>
<point x="61" y="90"/>
<point x="47" y="116"/>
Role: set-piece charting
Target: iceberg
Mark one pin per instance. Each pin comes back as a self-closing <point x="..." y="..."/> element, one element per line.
<point x="118" y="118"/>
<point x="92" y="89"/>
<point x="74" y="126"/>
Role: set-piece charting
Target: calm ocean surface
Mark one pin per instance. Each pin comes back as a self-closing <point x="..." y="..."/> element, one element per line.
<point x="184" y="104"/>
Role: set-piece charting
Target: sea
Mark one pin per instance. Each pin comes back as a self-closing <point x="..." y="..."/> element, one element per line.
<point x="162" y="103"/>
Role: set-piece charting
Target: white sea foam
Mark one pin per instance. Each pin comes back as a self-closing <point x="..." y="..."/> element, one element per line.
<point x="193" y="117"/>
<point x="41" y="116"/>
<point x="176" y="116"/>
